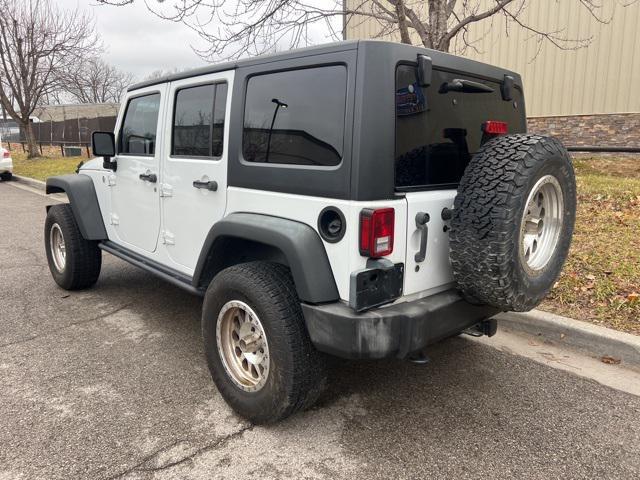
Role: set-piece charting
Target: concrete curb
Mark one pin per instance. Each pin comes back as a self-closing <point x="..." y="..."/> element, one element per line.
<point x="593" y="340"/>
<point x="32" y="182"/>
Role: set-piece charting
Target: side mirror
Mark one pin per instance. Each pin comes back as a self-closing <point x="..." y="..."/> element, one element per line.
<point x="425" y="67"/>
<point x="103" y="144"/>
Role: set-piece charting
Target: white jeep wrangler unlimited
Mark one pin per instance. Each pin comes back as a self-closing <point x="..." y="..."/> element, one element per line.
<point x="362" y="199"/>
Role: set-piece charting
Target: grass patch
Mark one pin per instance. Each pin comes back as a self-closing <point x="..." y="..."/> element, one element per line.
<point x="50" y="164"/>
<point x="600" y="282"/>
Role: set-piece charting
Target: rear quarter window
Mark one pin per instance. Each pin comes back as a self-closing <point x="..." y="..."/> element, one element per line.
<point x="296" y="117"/>
<point x="438" y="131"/>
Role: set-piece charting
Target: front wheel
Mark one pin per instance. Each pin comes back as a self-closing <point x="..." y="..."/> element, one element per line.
<point x="258" y="350"/>
<point x="73" y="261"/>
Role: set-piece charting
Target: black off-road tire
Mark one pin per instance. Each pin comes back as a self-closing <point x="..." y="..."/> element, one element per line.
<point x="297" y="373"/>
<point x="6" y="176"/>
<point x="83" y="257"/>
<point x="488" y="216"/>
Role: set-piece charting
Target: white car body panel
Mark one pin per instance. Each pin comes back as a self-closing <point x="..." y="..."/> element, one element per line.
<point x="135" y="203"/>
<point x="6" y="164"/>
<point x="344" y="256"/>
<point x="188" y="212"/>
<point x="435" y="271"/>
<point x="100" y="178"/>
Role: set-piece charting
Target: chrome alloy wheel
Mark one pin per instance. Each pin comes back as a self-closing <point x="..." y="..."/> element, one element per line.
<point x="243" y="346"/>
<point x="58" y="248"/>
<point x="541" y="224"/>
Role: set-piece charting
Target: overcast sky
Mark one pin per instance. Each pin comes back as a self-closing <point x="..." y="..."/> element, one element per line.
<point x="139" y="42"/>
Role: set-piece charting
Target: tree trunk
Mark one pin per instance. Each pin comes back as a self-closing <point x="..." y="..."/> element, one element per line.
<point x="402" y="22"/>
<point x="438" y="17"/>
<point x="32" y="144"/>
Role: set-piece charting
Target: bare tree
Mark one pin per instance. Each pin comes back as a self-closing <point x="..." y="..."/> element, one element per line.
<point x="38" y="41"/>
<point x="251" y="27"/>
<point x="94" y="81"/>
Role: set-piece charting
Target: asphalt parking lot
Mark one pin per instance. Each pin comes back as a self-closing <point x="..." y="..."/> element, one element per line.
<point x="111" y="383"/>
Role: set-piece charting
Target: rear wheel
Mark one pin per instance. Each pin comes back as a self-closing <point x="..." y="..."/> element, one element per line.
<point x="257" y="346"/>
<point x="74" y="262"/>
<point x="513" y="221"/>
<point x="6" y="176"/>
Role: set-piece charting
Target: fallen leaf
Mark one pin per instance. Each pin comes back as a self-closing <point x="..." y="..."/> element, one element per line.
<point x="633" y="297"/>
<point x="610" y="360"/>
<point x="562" y="335"/>
<point x="590" y="277"/>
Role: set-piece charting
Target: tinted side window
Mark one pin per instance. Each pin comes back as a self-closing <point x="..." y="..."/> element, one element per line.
<point x="437" y="131"/>
<point x="138" y="134"/>
<point x="192" y="121"/>
<point x="296" y="117"/>
<point x="198" y="121"/>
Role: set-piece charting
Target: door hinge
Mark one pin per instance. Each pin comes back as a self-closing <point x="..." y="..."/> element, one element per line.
<point x="114" y="219"/>
<point x="168" y="238"/>
<point x="111" y="180"/>
<point x="166" y="190"/>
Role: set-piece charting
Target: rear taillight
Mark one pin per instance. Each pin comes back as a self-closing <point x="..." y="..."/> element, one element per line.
<point x="6" y="154"/>
<point x="493" y="127"/>
<point x="376" y="232"/>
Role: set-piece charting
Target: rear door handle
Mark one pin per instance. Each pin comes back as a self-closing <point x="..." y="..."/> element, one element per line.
<point x="149" y="177"/>
<point x="465" y="86"/>
<point x="422" y="219"/>
<point x="211" y="185"/>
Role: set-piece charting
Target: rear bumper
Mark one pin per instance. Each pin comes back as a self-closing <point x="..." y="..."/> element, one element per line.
<point x="394" y="331"/>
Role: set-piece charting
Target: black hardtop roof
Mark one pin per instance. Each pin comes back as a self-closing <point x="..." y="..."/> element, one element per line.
<point x="439" y="59"/>
<point x="245" y="62"/>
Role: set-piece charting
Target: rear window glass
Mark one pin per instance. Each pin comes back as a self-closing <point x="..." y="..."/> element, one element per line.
<point x="437" y="131"/>
<point x="296" y="117"/>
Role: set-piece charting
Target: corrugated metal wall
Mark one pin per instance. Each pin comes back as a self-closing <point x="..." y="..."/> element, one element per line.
<point x="602" y="78"/>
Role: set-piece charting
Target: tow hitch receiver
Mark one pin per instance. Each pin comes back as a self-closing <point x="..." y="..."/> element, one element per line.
<point x="486" y="327"/>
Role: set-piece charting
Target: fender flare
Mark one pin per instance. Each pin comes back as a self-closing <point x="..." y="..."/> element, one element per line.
<point x="300" y="245"/>
<point x="84" y="203"/>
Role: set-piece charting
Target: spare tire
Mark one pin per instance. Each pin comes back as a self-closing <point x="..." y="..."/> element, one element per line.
<point x="513" y="220"/>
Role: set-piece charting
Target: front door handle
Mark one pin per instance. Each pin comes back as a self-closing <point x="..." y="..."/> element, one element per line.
<point x="422" y="219"/>
<point x="149" y="177"/>
<point x="211" y="185"/>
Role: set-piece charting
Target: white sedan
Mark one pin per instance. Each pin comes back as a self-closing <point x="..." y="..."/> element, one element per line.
<point x="6" y="164"/>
